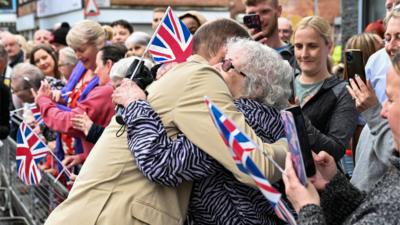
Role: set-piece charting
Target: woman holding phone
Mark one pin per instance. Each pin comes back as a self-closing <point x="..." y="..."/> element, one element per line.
<point x="329" y="110"/>
<point x="339" y="202"/>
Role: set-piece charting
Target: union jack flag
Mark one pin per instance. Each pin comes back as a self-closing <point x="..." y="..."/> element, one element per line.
<point x="30" y="151"/>
<point x="172" y="41"/>
<point x="36" y="114"/>
<point x="239" y="146"/>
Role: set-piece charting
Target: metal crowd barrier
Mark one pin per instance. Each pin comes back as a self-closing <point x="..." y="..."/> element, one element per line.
<point x="21" y="204"/>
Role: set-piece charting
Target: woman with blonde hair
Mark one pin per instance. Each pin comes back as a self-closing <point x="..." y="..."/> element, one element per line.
<point x="328" y="107"/>
<point x="82" y="94"/>
<point x="108" y="33"/>
<point x="339" y="202"/>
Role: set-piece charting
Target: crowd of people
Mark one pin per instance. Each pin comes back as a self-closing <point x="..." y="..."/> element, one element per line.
<point x="165" y="162"/>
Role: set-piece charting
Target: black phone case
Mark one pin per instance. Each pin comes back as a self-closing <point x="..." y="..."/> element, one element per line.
<point x="354" y="64"/>
<point x="252" y="21"/>
<point x="303" y="139"/>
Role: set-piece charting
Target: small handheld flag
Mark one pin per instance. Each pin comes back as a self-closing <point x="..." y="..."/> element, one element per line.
<point x="240" y="145"/>
<point x="36" y="114"/>
<point x="30" y="151"/>
<point x="172" y="41"/>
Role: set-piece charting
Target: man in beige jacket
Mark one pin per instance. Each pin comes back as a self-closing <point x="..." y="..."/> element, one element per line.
<point x="111" y="190"/>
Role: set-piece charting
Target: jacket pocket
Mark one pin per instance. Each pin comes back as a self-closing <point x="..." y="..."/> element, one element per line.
<point x="150" y="215"/>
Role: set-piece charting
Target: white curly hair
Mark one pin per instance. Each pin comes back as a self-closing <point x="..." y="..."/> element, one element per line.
<point x="268" y="77"/>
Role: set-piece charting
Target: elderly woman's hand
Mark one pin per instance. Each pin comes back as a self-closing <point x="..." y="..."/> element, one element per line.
<point x="164" y="69"/>
<point x="44" y="90"/>
<point x="298" y="194"/>
<point x="127" y="92"/>
<point x="325" y="170"/>
<point x="362" y="93"/>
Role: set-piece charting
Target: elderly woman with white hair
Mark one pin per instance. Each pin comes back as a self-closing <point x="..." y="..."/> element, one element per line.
<point x="66" y="62"/>
<point x="137" y="43"/>
<point x="259" y="81"/>
<point x="120" y="68"/>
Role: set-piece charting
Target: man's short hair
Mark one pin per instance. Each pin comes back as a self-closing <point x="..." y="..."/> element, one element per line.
<point x="26" y="75"/>
<point x="256" y="2"/>
<point x="159" y="9"/>
<point x="113" y="52"/>
<point x="212" y="36"/>
<point x="123" y="23"/>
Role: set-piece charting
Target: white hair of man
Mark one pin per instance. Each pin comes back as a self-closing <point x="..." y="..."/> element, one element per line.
<point x="138" y="37"/>
<point x="41" y="32"/>
<point x="268" y="76"/>
<point x="26" y="75"/>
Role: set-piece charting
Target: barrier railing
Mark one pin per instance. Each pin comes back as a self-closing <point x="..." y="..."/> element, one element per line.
<point x="20" y="202"/>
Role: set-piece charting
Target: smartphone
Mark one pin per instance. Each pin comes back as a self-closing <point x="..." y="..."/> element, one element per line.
<point x="292" y="97"/>
<point x="354" y="64"/>
<point x="252" y="21"/>
<point x="303" y="140"/>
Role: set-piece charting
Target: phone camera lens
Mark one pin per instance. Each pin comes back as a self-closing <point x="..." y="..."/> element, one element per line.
<point x="349" y="58"/>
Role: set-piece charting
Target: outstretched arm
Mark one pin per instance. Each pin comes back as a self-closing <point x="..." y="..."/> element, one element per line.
<point x="160" y="158"/>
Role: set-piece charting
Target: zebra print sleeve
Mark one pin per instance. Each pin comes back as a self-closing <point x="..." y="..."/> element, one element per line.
<point x="161" y="159"/>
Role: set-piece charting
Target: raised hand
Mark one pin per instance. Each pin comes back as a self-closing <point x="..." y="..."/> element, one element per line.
<point x="44" y="90"/>
<point x="325" y="169"/>
<point x="362" y="93"/>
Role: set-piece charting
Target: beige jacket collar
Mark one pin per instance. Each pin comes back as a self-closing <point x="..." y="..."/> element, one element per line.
<point x="197" y="58"/>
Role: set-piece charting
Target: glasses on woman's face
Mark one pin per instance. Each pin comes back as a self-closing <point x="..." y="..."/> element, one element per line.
<point x="17" y="91"/>
<point x="227" y="65"/>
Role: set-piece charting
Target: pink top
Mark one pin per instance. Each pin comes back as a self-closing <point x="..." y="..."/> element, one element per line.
<point x="97" y="105"/>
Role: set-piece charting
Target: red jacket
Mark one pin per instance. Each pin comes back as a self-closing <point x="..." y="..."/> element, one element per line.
<point x="97" y="105"/>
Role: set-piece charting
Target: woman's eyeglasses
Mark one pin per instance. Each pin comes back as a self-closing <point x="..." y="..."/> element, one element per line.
<point x="227" y="65"/>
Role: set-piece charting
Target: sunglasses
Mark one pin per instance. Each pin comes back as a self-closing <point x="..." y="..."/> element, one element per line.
<point x="227" y="65"/>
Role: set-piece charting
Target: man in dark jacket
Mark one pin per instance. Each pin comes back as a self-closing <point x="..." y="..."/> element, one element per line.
<point x="4" y="111"/>
<point x="13" y="48"/>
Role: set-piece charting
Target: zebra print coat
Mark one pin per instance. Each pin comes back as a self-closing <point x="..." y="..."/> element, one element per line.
<point x="217" y="197"/>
